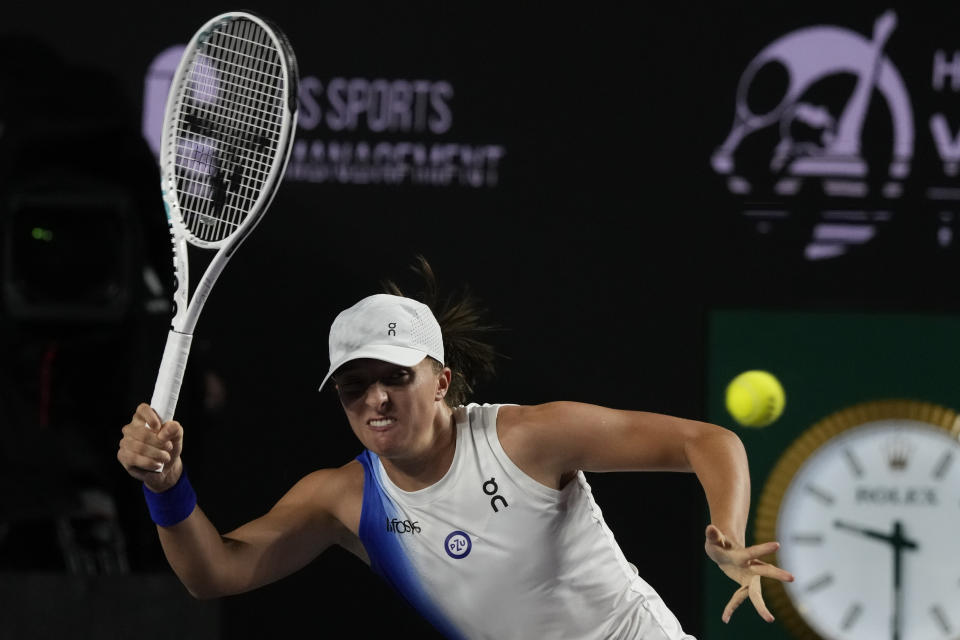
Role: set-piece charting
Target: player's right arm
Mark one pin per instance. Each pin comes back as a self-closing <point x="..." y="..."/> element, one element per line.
<point x="307" y="520"/>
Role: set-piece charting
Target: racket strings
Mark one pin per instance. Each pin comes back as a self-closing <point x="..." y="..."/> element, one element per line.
<point x="229" y="126"/>
<point x="237" y="63"/>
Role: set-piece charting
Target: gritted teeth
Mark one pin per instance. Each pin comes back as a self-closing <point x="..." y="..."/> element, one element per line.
<point x="381" y="422"/>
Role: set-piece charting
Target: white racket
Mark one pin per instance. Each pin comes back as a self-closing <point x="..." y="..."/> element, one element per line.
<point x="227" y="133"/>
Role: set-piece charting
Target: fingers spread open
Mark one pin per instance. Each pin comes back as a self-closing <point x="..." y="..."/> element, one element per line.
<point x="756" y="597"/>
<point x="716" y="537"/>
<point x="760" y="550"/>
<point x="738" y="597"/>
<point x="770" y="571"/>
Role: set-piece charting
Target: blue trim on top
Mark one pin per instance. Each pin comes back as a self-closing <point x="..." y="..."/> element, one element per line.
<point x="388" y="558"/>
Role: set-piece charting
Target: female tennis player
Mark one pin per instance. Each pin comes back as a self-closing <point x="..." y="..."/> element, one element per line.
<point x="479" y="515"/>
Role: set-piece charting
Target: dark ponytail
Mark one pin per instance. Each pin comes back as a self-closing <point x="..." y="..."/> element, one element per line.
<point x="462" y="321"/>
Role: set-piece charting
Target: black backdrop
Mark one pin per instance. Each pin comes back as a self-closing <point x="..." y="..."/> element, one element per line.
<point x="599" y="248"/>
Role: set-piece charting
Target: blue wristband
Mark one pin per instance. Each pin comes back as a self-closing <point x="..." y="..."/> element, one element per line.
<point x="173" y="505"/>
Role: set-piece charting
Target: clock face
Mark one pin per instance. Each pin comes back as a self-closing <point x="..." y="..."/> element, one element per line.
<point x="869" y="524"/>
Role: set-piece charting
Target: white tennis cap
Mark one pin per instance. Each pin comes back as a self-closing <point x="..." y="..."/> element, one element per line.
<point x="384" y="327"/>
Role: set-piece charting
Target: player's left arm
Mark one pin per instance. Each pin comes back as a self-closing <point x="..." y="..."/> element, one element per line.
<point x="550" y="441"/>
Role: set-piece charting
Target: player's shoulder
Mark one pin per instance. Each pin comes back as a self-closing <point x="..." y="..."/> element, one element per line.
<point x="529" y="425"/>
<point x="342" y="478"/>
<point x="336" y="492"/>
<point x="538" y="426"/>
<point x="334" y="485"/>
<point x="535" y="438"/>
<point x="511" y="416"/>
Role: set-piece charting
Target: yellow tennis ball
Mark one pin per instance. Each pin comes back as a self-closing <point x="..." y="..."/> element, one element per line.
<point x="755" y="398"/>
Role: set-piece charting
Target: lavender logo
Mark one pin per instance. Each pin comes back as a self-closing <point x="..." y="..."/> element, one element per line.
<point x="813" y="140"/>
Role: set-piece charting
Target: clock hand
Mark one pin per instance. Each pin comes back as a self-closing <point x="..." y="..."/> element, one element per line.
<point x="897" y="539"/>
<point x="897" y="590"/>
<point x="899" y="542"/>
<point x="839" y="524"/>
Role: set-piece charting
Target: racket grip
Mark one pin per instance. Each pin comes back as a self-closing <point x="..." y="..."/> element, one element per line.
<point x="172" y="366"/>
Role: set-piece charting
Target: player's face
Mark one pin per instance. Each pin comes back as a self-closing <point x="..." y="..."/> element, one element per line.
<point x="391" y="408"/>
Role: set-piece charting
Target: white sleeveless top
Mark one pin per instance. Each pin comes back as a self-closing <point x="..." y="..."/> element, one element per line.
<point x="489" y="552"/>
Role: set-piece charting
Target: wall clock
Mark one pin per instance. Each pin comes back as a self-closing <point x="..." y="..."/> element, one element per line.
<point x="866" y="506"/>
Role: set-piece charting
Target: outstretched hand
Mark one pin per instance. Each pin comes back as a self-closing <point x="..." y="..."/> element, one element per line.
<point x="743" y="566"/>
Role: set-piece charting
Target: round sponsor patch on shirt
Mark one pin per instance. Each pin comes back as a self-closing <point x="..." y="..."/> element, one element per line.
<point x="458" y="545"/>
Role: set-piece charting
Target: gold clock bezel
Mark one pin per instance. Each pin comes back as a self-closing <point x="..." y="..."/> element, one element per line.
<point x="768" y="506"/>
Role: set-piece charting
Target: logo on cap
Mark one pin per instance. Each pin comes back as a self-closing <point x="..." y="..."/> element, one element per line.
<point x="392" y="329"/>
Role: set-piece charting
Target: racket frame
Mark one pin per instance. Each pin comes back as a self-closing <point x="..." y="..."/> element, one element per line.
<point x="187" y="309"/>
<point x="186" y="313"/>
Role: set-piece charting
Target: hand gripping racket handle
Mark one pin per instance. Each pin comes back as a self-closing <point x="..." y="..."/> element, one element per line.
<point x="174" y="363"/>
